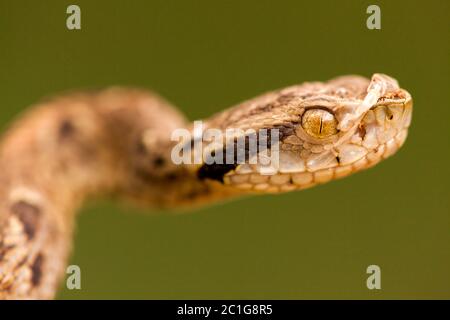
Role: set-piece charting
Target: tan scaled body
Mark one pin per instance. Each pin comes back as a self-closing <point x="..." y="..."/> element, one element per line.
<point x="117" y="142"/>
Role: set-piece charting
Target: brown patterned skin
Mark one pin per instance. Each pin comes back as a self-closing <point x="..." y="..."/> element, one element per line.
<point x="117" y="142"/>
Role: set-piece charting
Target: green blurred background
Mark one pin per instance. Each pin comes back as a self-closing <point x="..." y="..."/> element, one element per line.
<point x="207" y="55"/>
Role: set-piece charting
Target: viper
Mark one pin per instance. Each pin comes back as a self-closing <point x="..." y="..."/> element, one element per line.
<point x="117" y="142"/>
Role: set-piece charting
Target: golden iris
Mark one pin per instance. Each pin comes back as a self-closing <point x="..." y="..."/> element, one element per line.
<point x="319" y="123"/>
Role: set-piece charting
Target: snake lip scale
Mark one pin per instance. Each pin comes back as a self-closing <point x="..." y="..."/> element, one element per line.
<point x="117" y="142"/>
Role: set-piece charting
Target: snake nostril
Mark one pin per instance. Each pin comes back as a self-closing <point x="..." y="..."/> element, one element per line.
<point x="361" y="131"/>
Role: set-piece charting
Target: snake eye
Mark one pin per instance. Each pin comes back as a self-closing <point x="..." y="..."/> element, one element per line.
<point x="319" y="123"/>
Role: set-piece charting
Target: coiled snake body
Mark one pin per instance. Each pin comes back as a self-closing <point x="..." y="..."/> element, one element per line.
<point x="118" y="142"/>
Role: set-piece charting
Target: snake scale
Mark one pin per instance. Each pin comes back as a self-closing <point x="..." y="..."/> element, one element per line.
<point x="117" y="142"/>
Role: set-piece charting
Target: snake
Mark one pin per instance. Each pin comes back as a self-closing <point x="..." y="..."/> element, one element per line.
<point x="117" y="142"/>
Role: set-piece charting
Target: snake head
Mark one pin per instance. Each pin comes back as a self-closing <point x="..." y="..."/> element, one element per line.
<point x="325" y="131"/>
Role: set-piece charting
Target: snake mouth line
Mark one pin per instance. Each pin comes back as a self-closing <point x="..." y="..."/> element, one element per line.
<point x="254" y="182"/>
<point x="217" y="171"/>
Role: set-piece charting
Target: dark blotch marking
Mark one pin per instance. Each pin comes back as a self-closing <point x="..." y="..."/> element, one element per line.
<point x="66" y="129"/>
<point x="28" y="214"/>
<point x="285" y="130"/>
<point x="159" y="162"/>
<point x="338" y="160"/>
<point x="36" y="270"/>
<point x="217" y="171"/>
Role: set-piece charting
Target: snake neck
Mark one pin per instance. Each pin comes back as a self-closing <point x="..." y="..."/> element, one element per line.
<point x="114" y="142"/>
